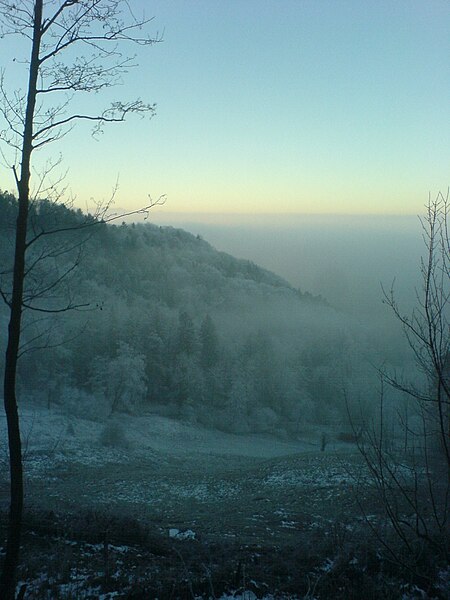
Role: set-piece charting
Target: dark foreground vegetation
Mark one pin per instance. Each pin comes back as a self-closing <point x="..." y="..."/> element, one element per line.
<point x="73" y="559"/>
<point x="300" y="527"/>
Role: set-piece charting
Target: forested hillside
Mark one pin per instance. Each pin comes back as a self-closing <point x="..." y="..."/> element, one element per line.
<point x="158" y="320"/>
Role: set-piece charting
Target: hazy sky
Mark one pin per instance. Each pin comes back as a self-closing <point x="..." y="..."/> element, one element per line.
<point x="283" y="106"/>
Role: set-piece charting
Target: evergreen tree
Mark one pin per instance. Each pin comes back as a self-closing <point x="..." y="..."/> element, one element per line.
<point x="186" y="341"/>
<point x="209" y="343"/>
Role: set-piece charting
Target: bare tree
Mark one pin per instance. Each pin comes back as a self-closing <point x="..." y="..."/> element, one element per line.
<point x="412" y="478"/>
<point x="427" y="329"/>
<point x="76" y="46"/>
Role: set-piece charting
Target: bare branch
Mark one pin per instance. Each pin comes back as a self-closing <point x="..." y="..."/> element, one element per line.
<point x="101" y="218"/>
<point x="67" y="308"/>
<point x="115" y="114"/>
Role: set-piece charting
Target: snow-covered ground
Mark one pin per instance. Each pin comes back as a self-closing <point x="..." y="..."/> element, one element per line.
<point x="191" y="486"/>
<point x="53" y="431"/>
<point x="158" y="458"/>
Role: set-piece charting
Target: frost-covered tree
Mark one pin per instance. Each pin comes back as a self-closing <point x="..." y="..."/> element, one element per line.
<point x="240" y="399"/>
<point x="121" y="380"/>
<point x="186" y="338"/>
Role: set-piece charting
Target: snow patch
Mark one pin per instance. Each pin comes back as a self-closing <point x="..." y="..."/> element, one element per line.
<point x="176" y="534"/>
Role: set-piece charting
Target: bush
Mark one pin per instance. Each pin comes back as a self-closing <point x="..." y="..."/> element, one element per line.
<point x="113" y="435"/>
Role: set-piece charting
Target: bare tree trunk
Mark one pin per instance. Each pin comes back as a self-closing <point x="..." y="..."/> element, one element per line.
<point x="7" y="580"/>
<point x="68" y="23"/>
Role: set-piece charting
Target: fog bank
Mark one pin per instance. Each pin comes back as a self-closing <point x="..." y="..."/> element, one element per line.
<point x="346" y="259"/>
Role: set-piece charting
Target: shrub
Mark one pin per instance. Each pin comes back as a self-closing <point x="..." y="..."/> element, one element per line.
<point x="113" y="435"/>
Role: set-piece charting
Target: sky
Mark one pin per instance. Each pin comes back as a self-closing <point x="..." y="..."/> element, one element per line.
<point x="273" y="107"/>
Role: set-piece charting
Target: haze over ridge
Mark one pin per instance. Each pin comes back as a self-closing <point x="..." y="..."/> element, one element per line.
<point x="345" y="258"/>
